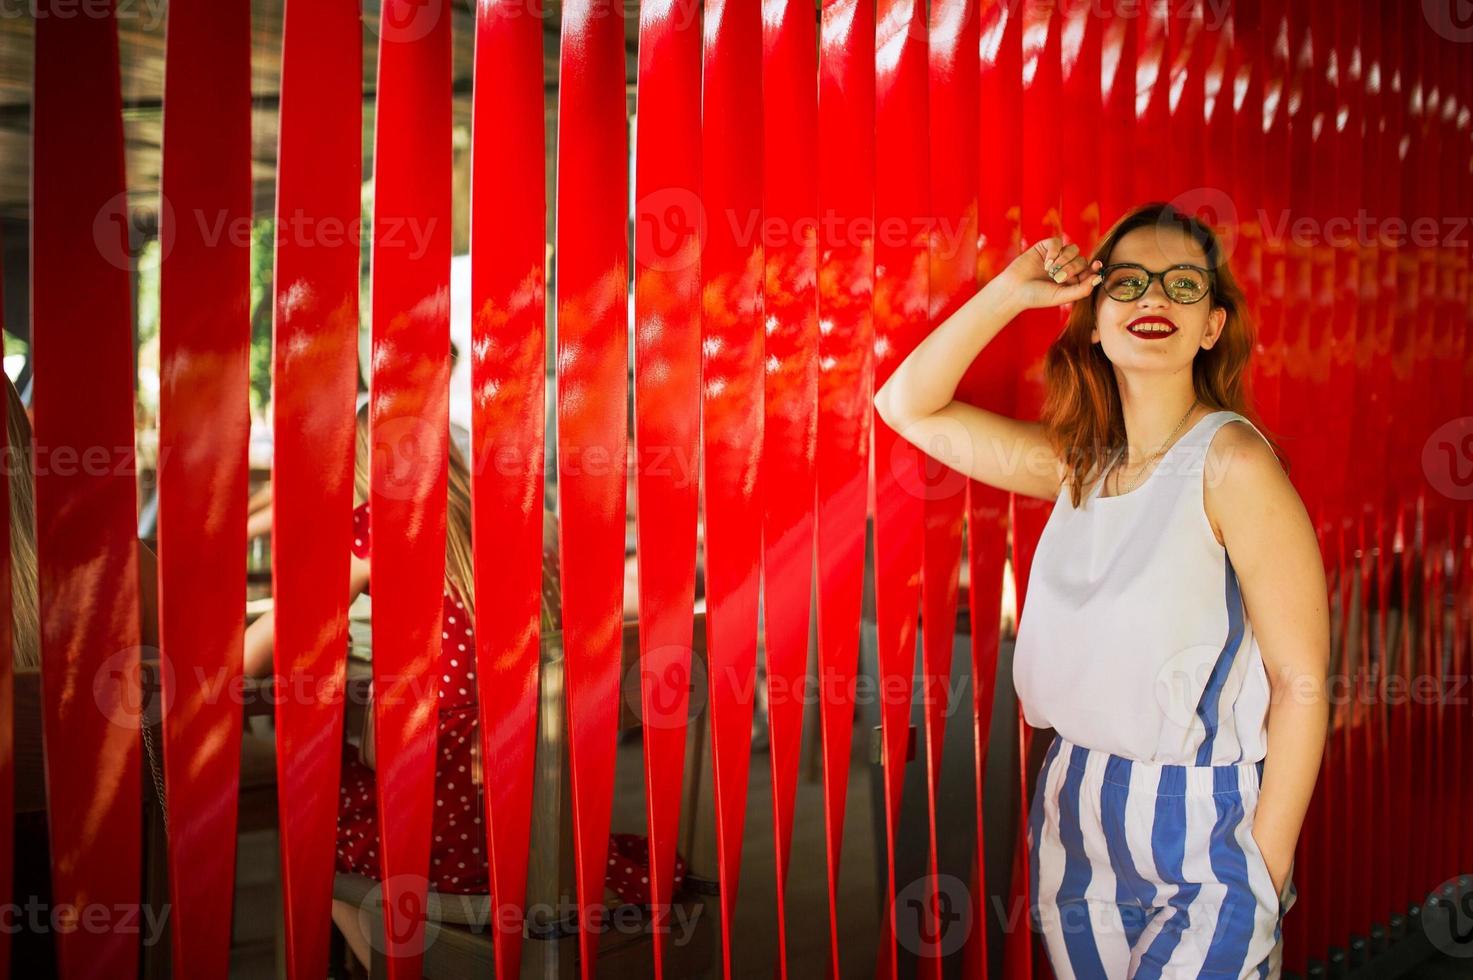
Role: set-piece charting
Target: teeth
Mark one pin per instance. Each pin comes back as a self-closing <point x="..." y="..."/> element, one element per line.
<point x="1151" y="328"/>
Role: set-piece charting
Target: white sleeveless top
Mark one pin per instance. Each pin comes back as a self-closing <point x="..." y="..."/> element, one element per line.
<point x="1133" y="637"/>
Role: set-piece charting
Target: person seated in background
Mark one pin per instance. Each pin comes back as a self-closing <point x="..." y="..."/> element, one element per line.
<point x="457" y="860"/>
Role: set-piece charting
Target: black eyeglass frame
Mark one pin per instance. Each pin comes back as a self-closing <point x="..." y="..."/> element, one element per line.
<point x="1104" y="274"/>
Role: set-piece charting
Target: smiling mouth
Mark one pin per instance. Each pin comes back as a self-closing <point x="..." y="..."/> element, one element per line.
<point x="1151" y="327"/>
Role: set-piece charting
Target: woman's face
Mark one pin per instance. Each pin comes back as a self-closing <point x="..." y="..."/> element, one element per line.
<point x="1188" y="327"/>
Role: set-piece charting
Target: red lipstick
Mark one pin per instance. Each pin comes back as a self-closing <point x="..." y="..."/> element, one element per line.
<point x="1151" y="327"/>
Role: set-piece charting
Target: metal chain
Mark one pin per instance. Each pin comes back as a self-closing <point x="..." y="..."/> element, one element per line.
<point x="153" y="765"/>
<point x="1156" y="455"/>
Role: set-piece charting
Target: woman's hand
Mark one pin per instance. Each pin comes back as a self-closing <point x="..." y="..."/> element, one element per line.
<point x="1050" y="273"/>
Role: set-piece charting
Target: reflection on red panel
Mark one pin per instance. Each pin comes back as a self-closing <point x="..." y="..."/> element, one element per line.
<point x="733" y="410"/>
<point x="1043" y="174"/>
<point x="901" y="307"/>
<point x="953" y="145"/>
<point x="846" y="83"/>
<point x="86" y="517"/>
<point x="315" y="374"/>
<point x="592" y="432"/>
<point x="204" y="425"/>
<point x="990" y="383"/>
<point x="408" y="433"/>
<point x="790" y="428"/>
<point x="508" y="429"/>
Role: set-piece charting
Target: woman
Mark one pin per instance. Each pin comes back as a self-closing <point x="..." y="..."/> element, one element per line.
<point x="1177" y="594"/>
<point x="458" y="863"/>
<point x="457" y="856"/>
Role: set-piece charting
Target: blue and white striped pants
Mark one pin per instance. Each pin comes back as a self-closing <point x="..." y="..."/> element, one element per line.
<point x="1145" y="870"/>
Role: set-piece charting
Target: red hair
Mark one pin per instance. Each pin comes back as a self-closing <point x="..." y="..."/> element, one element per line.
<point x="1081" y="412"/>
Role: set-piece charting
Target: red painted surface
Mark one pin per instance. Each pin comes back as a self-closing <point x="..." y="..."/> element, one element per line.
<point x="204" y="426"/>
<point x="953" y="49"/>
<point x="508" y="429"/>
<point x="86" y="517"/>
<point x="733" y="409"/>
<point x="790" y="426"/>
<point x="315" y="372"/>
<point x="846" y="120"/>
<point x="592" y="392"/>
<point x="991" y="383"/>
<point x="407" y="435"/>
<point x="901" y="320"/>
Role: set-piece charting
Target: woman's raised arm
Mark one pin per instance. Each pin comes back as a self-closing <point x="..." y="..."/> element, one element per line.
<point x="919" y="400"/>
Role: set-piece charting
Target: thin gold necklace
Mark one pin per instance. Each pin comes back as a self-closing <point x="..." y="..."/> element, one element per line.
<point x="1154" y="456"/>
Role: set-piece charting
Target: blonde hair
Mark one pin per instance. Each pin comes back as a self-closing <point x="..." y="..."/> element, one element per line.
<point x="25" y="616"/>
<point x="459" y="570"/>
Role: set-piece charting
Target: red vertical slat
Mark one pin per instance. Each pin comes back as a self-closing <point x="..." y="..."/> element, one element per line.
<point x="86" y="516"/>
<point x="667" y="356"/>
<point x="408" y="433"/>
<point x="314" y="383"/>
<point x="901" y="306"/>
<point x="1186" y="54"/>
<point x="952" y="175"/>
<point x="732" y="384"/>
<point x="1375" y="342"/>
<point x="592" y="431"/>
<point x="845" y="392"/>
<point x="991" y="383"/>
<point x="1043" y="174"/>
<point x="1271" y="138"/>
<point x="508" y="431"/>
<point x="1153" y="134"/>
<point x="204" y="426"/>
<point x="790" y="429"/>
<point x="1243" y="99"/>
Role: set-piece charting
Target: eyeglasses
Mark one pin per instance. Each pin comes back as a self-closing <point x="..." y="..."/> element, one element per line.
<point x="1184" y="284"/>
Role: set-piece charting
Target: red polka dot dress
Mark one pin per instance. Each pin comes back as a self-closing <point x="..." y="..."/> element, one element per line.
<point x="458" y="850"/>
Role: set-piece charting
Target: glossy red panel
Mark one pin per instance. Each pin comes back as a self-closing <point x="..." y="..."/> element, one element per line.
<point x="407" y="434"/>
<point x="204" y="426"/>
<point x="790" y="426"/>
<point x="86" y="516"/>
<point x="991" y="382"/>
<point x="315" y="373"/>
<point x="901" y="320"/>
<point x="508" y="432"/>
<point x="592" y="411"/>
<point x="846" y="121"/>
<point x="732" y="275"/>
<point x="954" y="144"/>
